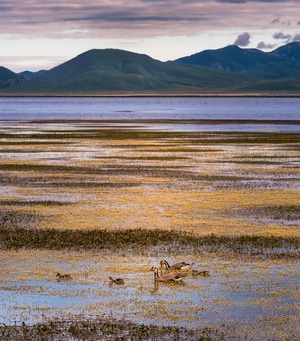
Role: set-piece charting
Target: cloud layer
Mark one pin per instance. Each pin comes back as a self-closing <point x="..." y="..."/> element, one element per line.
<point x="141" y="18"/>
<point x="164" y="29"/>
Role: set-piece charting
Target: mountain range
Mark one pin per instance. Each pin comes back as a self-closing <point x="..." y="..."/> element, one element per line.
<point x="229" y="70"/>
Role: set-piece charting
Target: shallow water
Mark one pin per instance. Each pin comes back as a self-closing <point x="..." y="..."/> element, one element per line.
<point x="237" y="292"/>
<point x="160" y="108"/>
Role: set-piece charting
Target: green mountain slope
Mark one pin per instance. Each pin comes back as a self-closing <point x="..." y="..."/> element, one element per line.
<point x="6" y="74"/>
<point x="117" y="71"/>
<point x="282" y="63"/>
<point x="280" y="87"/>
<point x="31" y="75"/>
<point x="8" y="78"/>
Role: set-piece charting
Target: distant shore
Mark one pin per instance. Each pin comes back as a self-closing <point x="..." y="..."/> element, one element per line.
<point x="171" y="121"/>
<point x="151" y="95"/>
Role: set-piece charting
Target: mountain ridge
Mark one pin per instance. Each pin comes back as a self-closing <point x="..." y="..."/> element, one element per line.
<point x="100" y="71"/>
<point x="283" y="62"/>
<point x="8" y="78"/>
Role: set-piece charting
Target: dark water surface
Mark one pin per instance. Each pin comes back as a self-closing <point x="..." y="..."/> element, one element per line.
<point x="274" y="114"/>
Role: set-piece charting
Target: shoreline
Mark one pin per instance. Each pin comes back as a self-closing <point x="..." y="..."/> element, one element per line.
<point x="152" y="95"/>
<point x="164" y="121"/>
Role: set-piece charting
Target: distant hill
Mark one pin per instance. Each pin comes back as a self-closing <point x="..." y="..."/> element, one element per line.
<point x="282" y="63"/>
<point x="290" y="51"/>
<point x="9" y="78"/>
<point x="31" y="74"/>
<point x="113" y="71"/>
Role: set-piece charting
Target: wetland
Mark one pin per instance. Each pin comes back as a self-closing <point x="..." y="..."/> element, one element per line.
<point x="100" y="198"/>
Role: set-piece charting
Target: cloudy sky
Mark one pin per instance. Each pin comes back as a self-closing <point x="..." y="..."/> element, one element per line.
<point x="37" y="34"/>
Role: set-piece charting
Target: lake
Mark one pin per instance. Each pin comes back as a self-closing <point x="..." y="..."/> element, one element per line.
<point x="271" y="112"/>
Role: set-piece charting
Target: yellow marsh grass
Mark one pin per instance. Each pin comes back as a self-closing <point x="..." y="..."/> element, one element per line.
<point x="182" y="192"/>
<point x="199" y="212"/>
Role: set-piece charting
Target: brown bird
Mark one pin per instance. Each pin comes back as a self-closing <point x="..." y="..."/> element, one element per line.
<point x="65" y="277"/>
<point x="204" y="273"/>
<point x="170" y="277"/>
<point x="176" y="266"/>
<point x="116" y="281"/>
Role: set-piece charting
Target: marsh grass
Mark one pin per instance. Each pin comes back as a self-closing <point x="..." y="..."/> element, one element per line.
<point x="32" y="203"/>
<point x="138" y="241"/>
<point x="274" y="212"/>
<point x="109" y="328"/>
<point x="194" y="137"/>
<point x="13" y="219"/>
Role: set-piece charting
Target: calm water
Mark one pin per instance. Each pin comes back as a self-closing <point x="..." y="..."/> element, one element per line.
<point x="160" y="108"/>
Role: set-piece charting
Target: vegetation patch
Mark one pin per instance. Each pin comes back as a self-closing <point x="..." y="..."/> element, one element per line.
<point x="11" y="219"/>
<point x="275" y="212"/>
<point x="196" y="138"/>
<point x="31" y="203"/>
<point x="109" y="328"/>
<point x="141" y="241"/>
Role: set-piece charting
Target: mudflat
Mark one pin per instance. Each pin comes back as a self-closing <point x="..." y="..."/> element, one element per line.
<point x="95" y="199"/>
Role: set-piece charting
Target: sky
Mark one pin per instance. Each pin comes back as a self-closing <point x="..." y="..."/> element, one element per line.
<point x="38" y="34"/>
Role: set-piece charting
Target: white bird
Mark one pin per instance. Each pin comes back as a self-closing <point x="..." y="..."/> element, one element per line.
<point x="171" y="277"/>
<point x="176" y="266"/>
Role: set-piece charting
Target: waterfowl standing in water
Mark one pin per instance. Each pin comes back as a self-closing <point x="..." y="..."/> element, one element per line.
<point x="176" y="266"/>
<point x="116" y="281"/>
<point x="170" y="277"/>
<point x="204" y="273"/>
<point x="64" y="277"/>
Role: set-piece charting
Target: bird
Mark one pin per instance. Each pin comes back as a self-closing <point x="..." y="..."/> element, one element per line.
<point x="170" y="277"/>
<point x="204" y="273"/>
<point x="176" y="266"/>
<point x="65" y="277"/>
<point x="116" y="281"/>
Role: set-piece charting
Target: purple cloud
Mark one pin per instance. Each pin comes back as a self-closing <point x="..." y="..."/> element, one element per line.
<point x="275" y="21"/>
<point x="245" y="1"/>
<point x="282" y="36"/>
<point x="243" y="39"/>
<point x="263" y="46"/>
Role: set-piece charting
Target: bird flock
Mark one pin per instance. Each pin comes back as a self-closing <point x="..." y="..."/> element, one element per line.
<point x="174" y="276"/>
